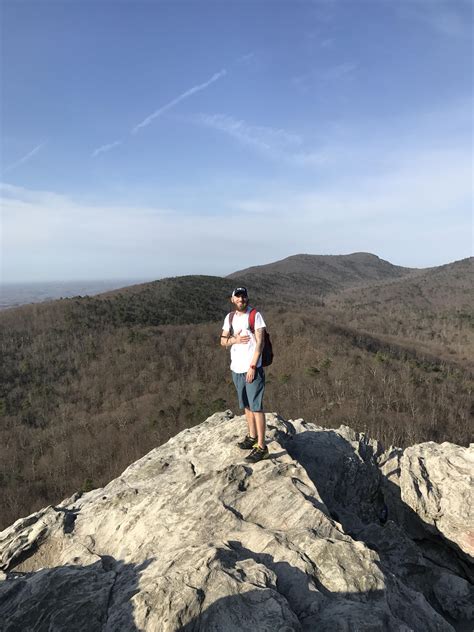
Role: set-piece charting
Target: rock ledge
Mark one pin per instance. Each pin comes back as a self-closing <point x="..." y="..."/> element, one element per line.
<point x="331" y="533"/>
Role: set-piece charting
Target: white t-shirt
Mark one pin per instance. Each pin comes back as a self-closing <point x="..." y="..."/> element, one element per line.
<point x="241" y="354"/>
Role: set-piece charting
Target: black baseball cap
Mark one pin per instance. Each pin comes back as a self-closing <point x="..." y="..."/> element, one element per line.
<point x="240" y="291"/>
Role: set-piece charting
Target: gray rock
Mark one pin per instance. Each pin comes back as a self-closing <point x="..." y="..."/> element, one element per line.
<point x="436" y="481"/>
<point x="192" y="538"/>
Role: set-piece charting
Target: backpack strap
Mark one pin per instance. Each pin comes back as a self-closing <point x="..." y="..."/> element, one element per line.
<point x="252" y="315"/>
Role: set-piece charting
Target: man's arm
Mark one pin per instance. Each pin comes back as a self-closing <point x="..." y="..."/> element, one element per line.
<point x="236" y="339"/>
<point x="226" y="339"/>
<point x="259" y="339"/>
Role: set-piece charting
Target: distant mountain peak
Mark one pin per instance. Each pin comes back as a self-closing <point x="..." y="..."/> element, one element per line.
<point x="324" y="273"/>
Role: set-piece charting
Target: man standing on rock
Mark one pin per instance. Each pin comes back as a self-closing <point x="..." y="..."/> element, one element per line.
<point x="247" y="372"/>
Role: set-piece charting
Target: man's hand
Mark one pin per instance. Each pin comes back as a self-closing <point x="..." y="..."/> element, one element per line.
<point x="249" y="378"/>
<point x="241" y="339"/>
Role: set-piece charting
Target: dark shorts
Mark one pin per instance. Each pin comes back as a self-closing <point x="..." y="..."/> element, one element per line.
<point x="250" y="394"/>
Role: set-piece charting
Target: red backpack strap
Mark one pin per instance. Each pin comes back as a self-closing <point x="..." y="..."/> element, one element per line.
<point x="253" y="313"/>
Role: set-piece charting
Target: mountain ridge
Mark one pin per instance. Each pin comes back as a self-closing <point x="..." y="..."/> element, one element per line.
<point x="308" y="263"/>
<point x="302" y="277"/>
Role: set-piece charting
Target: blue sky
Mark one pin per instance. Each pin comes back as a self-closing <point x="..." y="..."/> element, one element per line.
<point x="150" y="139"/>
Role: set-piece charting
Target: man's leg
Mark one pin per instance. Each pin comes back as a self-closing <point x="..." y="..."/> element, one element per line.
<point x="239" y="381"/>
<point x="250" y="416"/>
<point x="259" y="420"/>
<point x="255" y="391"/>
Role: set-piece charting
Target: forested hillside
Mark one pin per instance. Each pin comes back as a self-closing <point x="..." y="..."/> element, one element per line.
<point x="309" y="277"/>
<point x="434" y="308"/>
<point x="90" y="384"/>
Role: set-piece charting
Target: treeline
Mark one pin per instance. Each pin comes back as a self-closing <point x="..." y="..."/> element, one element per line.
<point x="434" y="307"/>
<point x="83" y="397"/>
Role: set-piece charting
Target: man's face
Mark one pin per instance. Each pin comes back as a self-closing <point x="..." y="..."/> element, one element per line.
<point x="240" y="301"/>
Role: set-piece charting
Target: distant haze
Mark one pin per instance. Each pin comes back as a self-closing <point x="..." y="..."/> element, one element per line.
<point x="325" y="269"/>
<point x="14" y="294"/>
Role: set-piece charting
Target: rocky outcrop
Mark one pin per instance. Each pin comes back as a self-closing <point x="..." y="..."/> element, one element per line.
<point x="436" y="482"/>
<point x="330" y="533"/>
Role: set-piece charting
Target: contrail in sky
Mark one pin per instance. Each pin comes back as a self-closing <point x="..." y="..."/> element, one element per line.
<point x="104" y="148"/>
<point x="24" y="159"/>
<point x="174" y="102"/>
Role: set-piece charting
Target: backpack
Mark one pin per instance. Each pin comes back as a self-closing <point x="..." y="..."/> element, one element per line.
<point x="267" y="351"/>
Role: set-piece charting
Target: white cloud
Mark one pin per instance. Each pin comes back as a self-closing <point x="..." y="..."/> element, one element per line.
<point x="274" y="143"/>
<point x="109" y="146"/>
<point x="185" y="95"/>
<point x="310" y="158"/>
<point x="417" y="213"/>
<point x="405" y="195"/>
<point x="244" y="60"/>
<point x="104" y="148"/>
<point x="451" y="18"/>
<point x="420" y="185"/>
<point x="24" y="159"/>
<point x="265" y="139"/>
<point x="339" y="72"/>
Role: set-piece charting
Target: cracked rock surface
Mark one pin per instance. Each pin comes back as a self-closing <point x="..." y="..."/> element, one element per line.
<point x="330" y="533"/>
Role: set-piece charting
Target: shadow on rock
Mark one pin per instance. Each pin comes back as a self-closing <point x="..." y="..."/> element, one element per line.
<point x="71" y="598"/>
<point x="278" y="597"/>
<point x="370" y="509"/>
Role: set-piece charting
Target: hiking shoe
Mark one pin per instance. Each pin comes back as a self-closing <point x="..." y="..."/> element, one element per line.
<point x="257" y="454"/>
<point x="248" y="443"/>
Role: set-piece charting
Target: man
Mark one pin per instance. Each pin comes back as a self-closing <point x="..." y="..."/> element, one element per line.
<point x="247" y="371"/>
